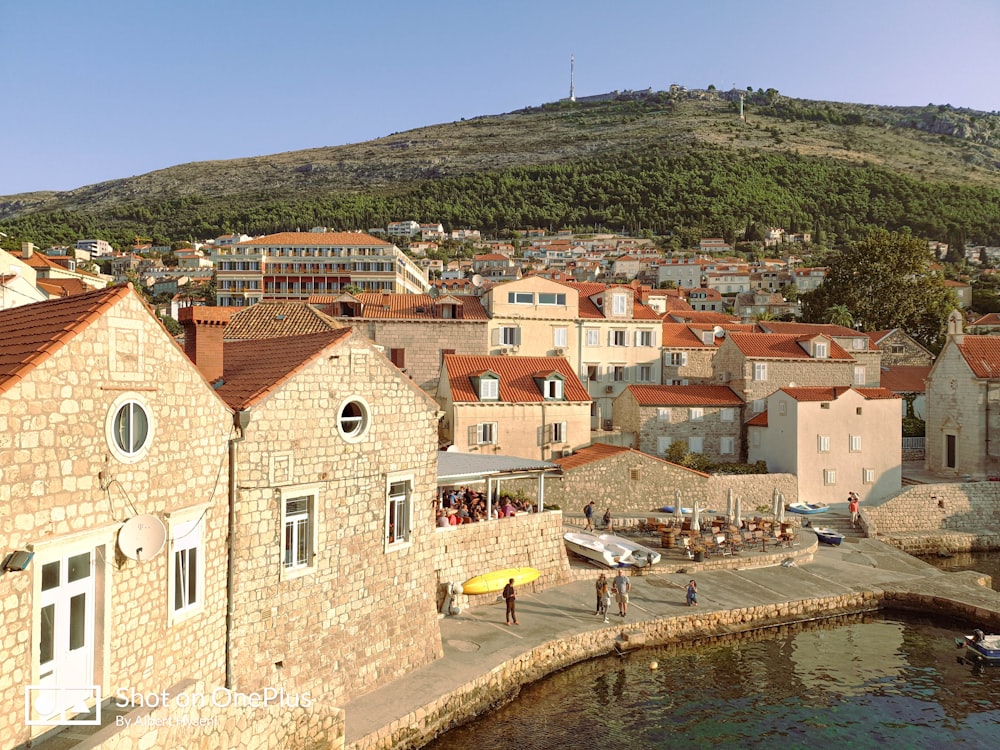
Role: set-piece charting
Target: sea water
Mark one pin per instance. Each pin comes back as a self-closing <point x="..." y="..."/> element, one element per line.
<point x="869" y="681"/>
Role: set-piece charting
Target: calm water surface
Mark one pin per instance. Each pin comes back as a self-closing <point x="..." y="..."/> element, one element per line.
<point x="984" y="562"/>
<point x="861" y="682"/>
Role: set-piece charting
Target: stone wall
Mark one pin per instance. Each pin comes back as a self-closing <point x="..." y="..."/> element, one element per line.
<point x="200" y="715"/>
<point x="528" y="540"/>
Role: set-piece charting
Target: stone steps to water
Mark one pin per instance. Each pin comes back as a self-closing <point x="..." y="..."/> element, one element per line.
<point x="839" y="523"/>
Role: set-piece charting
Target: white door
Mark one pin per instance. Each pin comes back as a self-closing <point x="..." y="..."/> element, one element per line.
<point x="66" y="642"/>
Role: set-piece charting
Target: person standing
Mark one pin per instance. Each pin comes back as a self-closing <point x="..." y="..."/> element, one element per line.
<point x="510" y="596"/>
<point x="853" y="507"/>
<point x="601" y="586"/>
<point x="692" y="593"/>
<point x="607" y="519"/>
<point x="622" y="586"/>
<point x="588" y="513"/>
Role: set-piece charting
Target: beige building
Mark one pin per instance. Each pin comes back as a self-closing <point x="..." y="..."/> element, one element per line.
<point x="532" y="407"/>
<point x="708" y="418"/>
<point x="963" y="406"/>
<point x="334" y="470"/>
<point x="900" y="348"/>
<point x="113" y="467"/>
<point x="835" y="439"/>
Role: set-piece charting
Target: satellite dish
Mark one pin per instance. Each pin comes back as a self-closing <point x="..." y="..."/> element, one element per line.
<point x="477" y="280"/>
<point x="142" y="537"/>
<point x="719" y="331"/>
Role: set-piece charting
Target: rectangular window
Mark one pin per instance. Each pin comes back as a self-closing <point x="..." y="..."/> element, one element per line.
<point x="868" y="476"/>
<point x="645" y="373"/>
<point x="619" y="338"/>
<point x="829" y="477"/>
<point x="489" y="389"/>
<point x="398" y="510"/>
<point x="593" y="373"/>
<point x="187" y="560"/>
<point x="727" y="414"/>
<point x="820" y="350"/>
<point x="298" y="523"/>
<point x="398" y="357"/>
<point x="559" y="337"/>
<point x="860" y="345"/>
<point x="663" y="414"/>
<point x="896" y="349"/>
<point x="559" y="432"/>
<point x="727" y="446"/>
<point x="859" y="375"/>
<point x="644" y="338"/>
<point x="855" y="444"/>
<point x="696" y="444"/>
<point x="696" y="414"/>
<point x="760" y="371"/>
<point x="520" y="298"/>
<point x="619" y="376"/>
<point x="509" y="336"/>
<point x="593" y="337"/>
<point x="619" y="304"/>
<point x="484" y="433"/>
<point x="663" y="444"/>
<point x="823" y="443"/>
<point x="553" y="389"/>
<point x="678" y="358"/>
<point x="782" y="407"/>
<point x="548" y="298"/>
<point x="758" y="405"/>
<point x="755" y="438"/>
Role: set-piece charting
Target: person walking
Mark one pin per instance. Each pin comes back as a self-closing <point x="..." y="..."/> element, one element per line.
<point x="854" y="508"/>
<point x="510" y="596"/>
<point x="607" y="519"/>
<point x="622" y="586"/>
<point x="588" y="513"/>
<point x="601" y="586"/>
<point x="692" y="593"/>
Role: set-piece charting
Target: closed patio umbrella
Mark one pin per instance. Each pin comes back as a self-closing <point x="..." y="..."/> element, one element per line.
<point x="729" y="505"/>
<point x="677" y="506"/>
<point x="737" y="521"/>
<point x="781" y="508"/>
<point x="695" y="523"/>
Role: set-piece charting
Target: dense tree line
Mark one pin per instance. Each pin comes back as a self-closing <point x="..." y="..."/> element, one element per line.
<point x="701" y="192"/>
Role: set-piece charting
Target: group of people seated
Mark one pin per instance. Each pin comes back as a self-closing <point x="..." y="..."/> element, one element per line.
<point x="469" y="506"/>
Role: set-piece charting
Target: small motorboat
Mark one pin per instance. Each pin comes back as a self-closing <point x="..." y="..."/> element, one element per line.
<point x="807" y="509"/>
<point x="591" y="547"/>
<point x="980" y="647"/>
<point x="684" y="511"/>
<point x="828" y="536"/>
<point x="639" y="555"/>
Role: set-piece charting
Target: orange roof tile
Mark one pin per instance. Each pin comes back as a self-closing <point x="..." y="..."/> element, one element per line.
<point x="759" y="420"/>
<point x="685" y="395"/>
<point x="517" y="377"/>
<point x="906" y="378"/>
<point x="982" y="353"/>
<point x="990" y="319"/>
<point x="309" y="239"/>
<point x="268" y="320"/>
<point x="778" y="326"/>
<point x="418" y="306"/>
<point x="591" y="453"/>
<point x="33" y="333"/>
<point x="782" y="346"/>
<point x="701" y="316"/>
<point x="833" y="392"/>
<point x="253" y="369"/>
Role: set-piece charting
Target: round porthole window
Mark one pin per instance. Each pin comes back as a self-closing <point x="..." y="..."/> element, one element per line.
<point x="353" y="419"/>
<point x="129" y="428"/>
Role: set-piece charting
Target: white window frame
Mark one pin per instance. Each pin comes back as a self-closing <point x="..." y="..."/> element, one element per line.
<point x="508" y="336"/>
<point x="593" y="337"/>
<point x="559" y="434"/>
<point x="696" y="414"/>
<point x="300" y="522"/>
<point x="759" y="405"/>
<point x="551" y="298"/>
<point x="696" y="444"/>
<point x="760" y="370"/>
<point x="727" y="414"/>
<point x="353" y="428"/>
<point x="128" y="404"/>
<point x="645" y="374"/>
<point x="644" y="338"/>
<point x="678" y="359"/>
<point x="619" y="304"/>
<point x="187" y="549"/>
<point x="727" y="445"/>
<point x="861" y="345"/>
<point x="829" y="477"/>
<point x="552" y="389"/>
<point x="618" y="337"/>
<point x="860" y="375"/>
<point x="489" y="389"/>
<point x="663" y="414"/>
<point x="520" y="298"/>
<point x="486" y="433"/>
<point x="854" y="444"/>
<point x="398" y="510"/>
<point x="559" y="337"/>
<point x="868" y="476"/>
<point x="822" y="443"/>
<point x="821" y="350"/>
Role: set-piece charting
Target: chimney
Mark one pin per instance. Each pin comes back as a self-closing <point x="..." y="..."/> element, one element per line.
<point x="27" y="250"/>
<point x="203" y="333"/>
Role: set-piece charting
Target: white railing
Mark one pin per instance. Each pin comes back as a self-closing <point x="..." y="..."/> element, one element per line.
<point x="913" y="443"/>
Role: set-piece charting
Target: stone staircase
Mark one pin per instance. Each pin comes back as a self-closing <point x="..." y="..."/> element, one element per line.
<point x="839" y="522"/>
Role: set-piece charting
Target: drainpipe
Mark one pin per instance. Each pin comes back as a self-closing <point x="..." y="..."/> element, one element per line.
<point x="240" y="421"/>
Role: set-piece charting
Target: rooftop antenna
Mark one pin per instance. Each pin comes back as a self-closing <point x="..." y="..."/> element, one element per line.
<point x="572" y="88"/>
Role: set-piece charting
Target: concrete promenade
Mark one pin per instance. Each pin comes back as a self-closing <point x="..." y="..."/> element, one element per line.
<point x="485" y="661"/>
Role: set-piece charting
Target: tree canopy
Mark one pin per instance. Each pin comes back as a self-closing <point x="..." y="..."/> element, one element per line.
<point x="884" y="281"/>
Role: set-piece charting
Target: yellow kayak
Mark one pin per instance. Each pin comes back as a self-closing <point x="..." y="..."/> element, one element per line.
<point x="495" y="581"/>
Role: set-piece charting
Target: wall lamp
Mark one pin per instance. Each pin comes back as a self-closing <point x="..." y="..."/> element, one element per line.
<point x="17" y="561"/>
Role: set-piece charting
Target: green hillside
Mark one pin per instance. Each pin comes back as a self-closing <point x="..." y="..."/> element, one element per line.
<point x="663" y="163"/>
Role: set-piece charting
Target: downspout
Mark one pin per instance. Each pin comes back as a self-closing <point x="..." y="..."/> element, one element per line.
<point x="240" y="421"/>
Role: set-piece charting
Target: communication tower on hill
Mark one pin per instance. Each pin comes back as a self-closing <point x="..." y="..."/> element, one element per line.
<point x="572" y="89"/>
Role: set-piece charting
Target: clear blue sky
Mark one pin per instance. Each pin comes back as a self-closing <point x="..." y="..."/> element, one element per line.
<point x="101" y="89"/>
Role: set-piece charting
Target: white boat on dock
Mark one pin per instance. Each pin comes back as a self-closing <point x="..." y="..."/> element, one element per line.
<point x="591" y="547"/>
<point x="638" y="554"/>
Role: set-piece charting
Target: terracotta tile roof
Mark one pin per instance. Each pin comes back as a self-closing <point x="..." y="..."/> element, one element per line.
<point x="778" y="326"/>
<point x="905" y="378"/>
<point x="490" y="256"/>
<point x="833" y="392"/>
<point x="990" y="319"/>
<point x="63" y="287"/>
<point x="601" y="451"/>
<point x="33" y="333"/>
<point x="415" y="306"/>
<point x="760" y="420"/>
<point x="517" y="377"/>
<point x="253" y="369"/>
<point x="875" y="394"/>
<point x="37" y="260"/>
<point x="982" y="353"/>
<point x="309" y="239"/>
<point x="701" y="316"/>
<point x="685" y="395"/>
<point x="782" y="346"/>
<point x="680" y="335"/>
<point x="876" y="336"/>
<point x="268" y="320"/>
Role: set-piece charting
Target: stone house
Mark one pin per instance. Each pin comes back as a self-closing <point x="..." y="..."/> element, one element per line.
<point x="857" y="344"/>
<point x="963" y="406"/>
<point x="989" y="323"/>
<point x="334" y="474"/>
<point x="835" y="439"/>
<point x="707" y="417"/>
<point x="910" y="383"/>
<point x="900" y="348"/>
<point x="415" y="330"/>
<point x="531" y="407"/>
<point x="705" y="300"/>
<point x="106" y="430"/>
<point x="763" y="302"/>
<point x="689" y="349"/>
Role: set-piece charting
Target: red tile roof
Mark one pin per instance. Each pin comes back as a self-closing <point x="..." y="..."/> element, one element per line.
<point x="38" y="260"/>
<point x="33" y="333"/>
<point x="63" y="287"/>
<point x="782" y="346"/>
<point x="517" y="377"/>
<point x="310" y="239"/>
<point x="685" y="395"/>
<point x="601" y="451"/>
<point x="990" y="319"/>
<point x="268" y="320"/>
<point x="876" y="336"/>
<point x="760" y="420"/>
<point x="833" y="392"/>
<point x="253" y="369"/>
<point x="982" y="353"/>
<point x="415" y="306"/>
<point x="906" y="378"/>
<point x="811" y="329"/>
<point x="701" y="316"/>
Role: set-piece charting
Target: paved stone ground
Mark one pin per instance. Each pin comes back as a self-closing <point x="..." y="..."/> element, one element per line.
<point x="477" y="640"/>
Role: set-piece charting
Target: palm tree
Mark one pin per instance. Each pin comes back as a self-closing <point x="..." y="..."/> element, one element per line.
<point x="840" y="315"/>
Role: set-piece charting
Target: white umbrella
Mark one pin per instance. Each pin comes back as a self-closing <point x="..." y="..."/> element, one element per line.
<point x="781" y="508"/>
<point x="729" y="505"/>
<point x="677" y="505"/>
<point x="695" y="523"/>
<point x="737" y="521"/>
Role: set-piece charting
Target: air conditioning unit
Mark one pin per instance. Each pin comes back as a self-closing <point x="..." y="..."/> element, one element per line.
<point x="559" y="351"/>
<point x="505" y="350"/>
<point x="567" y="452"/>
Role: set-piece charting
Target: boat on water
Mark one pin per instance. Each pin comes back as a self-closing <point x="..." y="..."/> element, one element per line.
<point x="828" y="536"/>
<point x="980" y="647"/>
<point x="807" y="509"/>
<point x="638" y="554"/>
<point x="591" y="547"/>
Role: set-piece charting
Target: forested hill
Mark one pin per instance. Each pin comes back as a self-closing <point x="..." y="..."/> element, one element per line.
<point x="681" y="164"/>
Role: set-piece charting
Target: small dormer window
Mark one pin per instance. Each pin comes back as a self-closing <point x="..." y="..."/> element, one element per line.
<point x="488" y="387"/>
<point x="820" y="350"/>
<point x="619" y="304"/>
<point x="552" y="389"/>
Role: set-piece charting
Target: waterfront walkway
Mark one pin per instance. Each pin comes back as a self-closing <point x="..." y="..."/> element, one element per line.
<point x="478" y="645"/>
